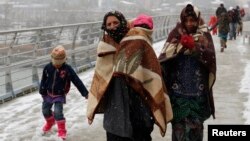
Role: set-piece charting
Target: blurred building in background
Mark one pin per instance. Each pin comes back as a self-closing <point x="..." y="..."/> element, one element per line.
<point x="16" y="14"/>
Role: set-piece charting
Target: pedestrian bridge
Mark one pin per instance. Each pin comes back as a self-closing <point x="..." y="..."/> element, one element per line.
<point x="23" y="53"/>
<point x="231" y="91"/>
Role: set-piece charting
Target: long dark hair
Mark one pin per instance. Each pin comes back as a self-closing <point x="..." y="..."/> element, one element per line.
<point x="121" y="30"/>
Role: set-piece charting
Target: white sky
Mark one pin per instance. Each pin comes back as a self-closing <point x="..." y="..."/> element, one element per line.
<point x="21" y="118"/>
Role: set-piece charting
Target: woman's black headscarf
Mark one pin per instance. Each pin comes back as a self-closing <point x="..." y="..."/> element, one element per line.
<point x="121" y="30"/>
<point x="191" y="11"/>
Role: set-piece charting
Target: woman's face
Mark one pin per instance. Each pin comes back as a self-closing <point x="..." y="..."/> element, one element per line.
<point x="191" y="24"/>
<point x="112" y="23"/>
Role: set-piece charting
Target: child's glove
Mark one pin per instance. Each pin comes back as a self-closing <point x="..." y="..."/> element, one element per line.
<point x="187" y="41"/>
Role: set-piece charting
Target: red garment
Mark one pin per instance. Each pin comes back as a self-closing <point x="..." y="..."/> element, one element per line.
<point x="187" y="41"/>
<point x="213" y="20"/>
<point x="242" y="12"/>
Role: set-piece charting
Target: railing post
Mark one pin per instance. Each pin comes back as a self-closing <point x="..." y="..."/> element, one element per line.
<point x="89" y="32"/>
<point x="73" y="57"/>
<point x="8" y="78"/>
<point x="164" y="27"/>
<point x="168" y="25"/>
<point x="35" y="77"/>
<point x="88" y="58"/>
<point x="59" y="36"/>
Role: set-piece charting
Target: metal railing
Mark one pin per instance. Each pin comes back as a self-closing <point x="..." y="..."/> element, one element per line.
<point x="24" y="53"/>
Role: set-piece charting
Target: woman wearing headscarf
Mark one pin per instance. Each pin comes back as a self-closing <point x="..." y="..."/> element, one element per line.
<point x="140" y="99"/>
<point x="129" y="105"/>
<point x="115" y="28"/>
<point x="189" y="65"/>
<point x="110" y="94"/>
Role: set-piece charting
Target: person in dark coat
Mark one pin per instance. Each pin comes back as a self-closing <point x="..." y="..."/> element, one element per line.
<point x="234" y="18"/>
<point x="55" y="84"/>
<point x="221" y="9"/>
<point x="115" y="28"/>
<point x="189" y="67"/>
<point x="241" y="14"/>
<point x="224" y="28"/>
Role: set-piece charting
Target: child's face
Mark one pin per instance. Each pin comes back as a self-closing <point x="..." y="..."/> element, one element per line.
<point x="191" y="24"/>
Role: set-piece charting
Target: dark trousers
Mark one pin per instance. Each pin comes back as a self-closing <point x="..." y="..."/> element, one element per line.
<point x="138" y="135"/>
<point x="58" y="110"/>
<point x="187" y="130"/>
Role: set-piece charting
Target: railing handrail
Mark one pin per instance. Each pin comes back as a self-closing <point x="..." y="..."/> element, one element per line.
<point x="66" y="25"/>
<point x="47" y="27"/>
<point x="26" y="51"/>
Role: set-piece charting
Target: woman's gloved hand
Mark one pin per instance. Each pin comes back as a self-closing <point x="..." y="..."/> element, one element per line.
<point x="187" y="41"/>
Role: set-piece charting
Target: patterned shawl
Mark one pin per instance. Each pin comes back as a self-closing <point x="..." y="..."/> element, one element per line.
<point x="137" y="62"/>
<point x="103" y="71"/>
<point x="204" y="52"/>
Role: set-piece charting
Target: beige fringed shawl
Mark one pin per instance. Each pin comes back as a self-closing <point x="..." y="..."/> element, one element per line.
<point x="103" y="71"/>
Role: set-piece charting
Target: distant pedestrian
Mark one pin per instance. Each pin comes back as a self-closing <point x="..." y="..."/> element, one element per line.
<point x="221" y="9"/>
<point x="213" y="20"/>
<point x="241" y="13"/>
<point x="189" y="65"/>
<point x="234" y="20"/>
<point x="223" y="29"/>
<point x="55" y="84"/>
